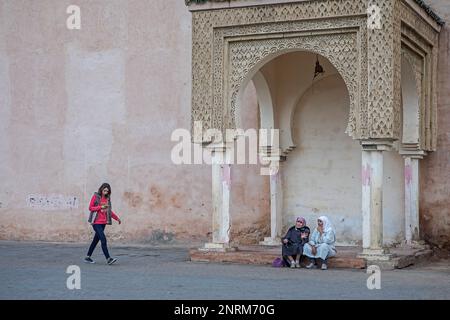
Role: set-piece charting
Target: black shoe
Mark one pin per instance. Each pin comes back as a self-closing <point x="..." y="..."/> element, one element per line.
<point x="88" y="260"/>
<point x="111" y="260"/>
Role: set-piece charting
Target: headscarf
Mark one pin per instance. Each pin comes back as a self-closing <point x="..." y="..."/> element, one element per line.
<point x="327" y="226"/>
<point x="302" y="220"/>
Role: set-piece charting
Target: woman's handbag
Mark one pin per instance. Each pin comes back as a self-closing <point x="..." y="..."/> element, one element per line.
<point x="92" y="217"/>
<point x="93" y="214"/>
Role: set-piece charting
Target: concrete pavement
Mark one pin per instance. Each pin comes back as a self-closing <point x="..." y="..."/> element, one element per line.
<point x="38" y="271"/>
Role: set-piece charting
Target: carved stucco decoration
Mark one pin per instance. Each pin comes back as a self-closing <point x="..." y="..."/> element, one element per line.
<point x="340" y="49"/>
<point x="383" y="65"/>
<point x="246" y="53"/>
<point x="419" y="43"/>
<point x="208" y="107"/>
<point x="416" y="63"/>
<point x="228" y="43"/>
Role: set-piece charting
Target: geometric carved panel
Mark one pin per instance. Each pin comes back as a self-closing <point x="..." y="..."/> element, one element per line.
<point x="340" y="49"/>
<point x="229" y="45"/>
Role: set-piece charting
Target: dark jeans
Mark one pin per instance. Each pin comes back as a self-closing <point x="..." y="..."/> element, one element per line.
<point x="99" y="236"/>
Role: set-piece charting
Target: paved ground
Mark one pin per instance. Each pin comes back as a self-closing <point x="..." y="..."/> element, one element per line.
<point x="38" y="271"/>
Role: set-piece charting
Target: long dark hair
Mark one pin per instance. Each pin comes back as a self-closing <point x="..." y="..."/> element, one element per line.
<point x="103" y="186"/>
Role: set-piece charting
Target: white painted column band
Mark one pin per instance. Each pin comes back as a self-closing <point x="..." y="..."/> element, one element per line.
<point x="221" y="188"/>
<point x="372" y="199"/>
<point x="411" y="199"/>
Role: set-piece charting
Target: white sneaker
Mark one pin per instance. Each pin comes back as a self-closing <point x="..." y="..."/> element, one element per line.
<point x="297" y="264"/>
<point x="324" y="266"/>
<point x="310" y="266"/>
<point x="292" y="264"/>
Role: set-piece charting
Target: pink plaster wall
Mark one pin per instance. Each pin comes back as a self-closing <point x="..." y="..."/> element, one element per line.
<point x="435" y="168"/>
<point x="250" y="193"/>
<point x="80" y="107"/>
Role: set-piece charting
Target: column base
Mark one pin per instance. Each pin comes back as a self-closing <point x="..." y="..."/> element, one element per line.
<point x="269" y="241"/>
<point x="220" y="247"/>
<point x="415" y="244"/>
<point x="381" y="254"/>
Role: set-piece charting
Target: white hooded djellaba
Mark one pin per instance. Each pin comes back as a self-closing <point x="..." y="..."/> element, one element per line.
<point x="324" y="243"/>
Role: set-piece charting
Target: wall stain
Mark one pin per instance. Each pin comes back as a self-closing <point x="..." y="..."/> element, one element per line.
<point x="176" y="200"/>
<point x="156" y="198"/>
<point x="133" y="199"/>
<point x="160" y="236"/>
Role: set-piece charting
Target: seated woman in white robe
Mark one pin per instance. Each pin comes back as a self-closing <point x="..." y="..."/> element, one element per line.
<point x="321" y="243"/>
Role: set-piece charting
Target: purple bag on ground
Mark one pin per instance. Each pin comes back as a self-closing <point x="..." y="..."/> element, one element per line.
<point x="278" y="263"/>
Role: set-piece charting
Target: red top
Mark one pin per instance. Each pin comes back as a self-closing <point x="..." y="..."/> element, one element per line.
<point x="101" y="213"/>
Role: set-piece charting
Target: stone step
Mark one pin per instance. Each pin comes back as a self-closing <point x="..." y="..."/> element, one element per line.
<point x="403" y="260"/>
<point x="261" y="257"/>
<point x="347" y="257"/>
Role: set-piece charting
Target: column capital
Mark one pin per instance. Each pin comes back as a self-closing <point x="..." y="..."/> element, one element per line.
<point x="377" y="144"/>
<point x="415" y="154"/>
<point x="268" y="153"/>
<point x="218" y="147"/>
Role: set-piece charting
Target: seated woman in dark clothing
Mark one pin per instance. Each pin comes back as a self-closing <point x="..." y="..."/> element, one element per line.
<point x="293" y="243"/>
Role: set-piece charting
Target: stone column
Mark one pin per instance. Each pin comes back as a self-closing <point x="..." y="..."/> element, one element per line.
<point x="411" y="172"/>
<point x="372" y="200"/>
<point x="276" y="203"/>
<point x="221" y="187"/>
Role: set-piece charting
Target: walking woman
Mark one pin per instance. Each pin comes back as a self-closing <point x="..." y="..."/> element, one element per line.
<point x="321" y="245"/>
<point x="293" y="243"/>
<point x="100" y="216"/>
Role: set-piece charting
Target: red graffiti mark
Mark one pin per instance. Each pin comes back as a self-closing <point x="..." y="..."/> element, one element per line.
<point x="408" y="174"/>
<point x="226" y="175"/>
<point x="366" y="175"/>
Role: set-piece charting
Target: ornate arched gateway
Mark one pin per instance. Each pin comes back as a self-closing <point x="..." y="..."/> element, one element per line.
<point x="386" y="53"/>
